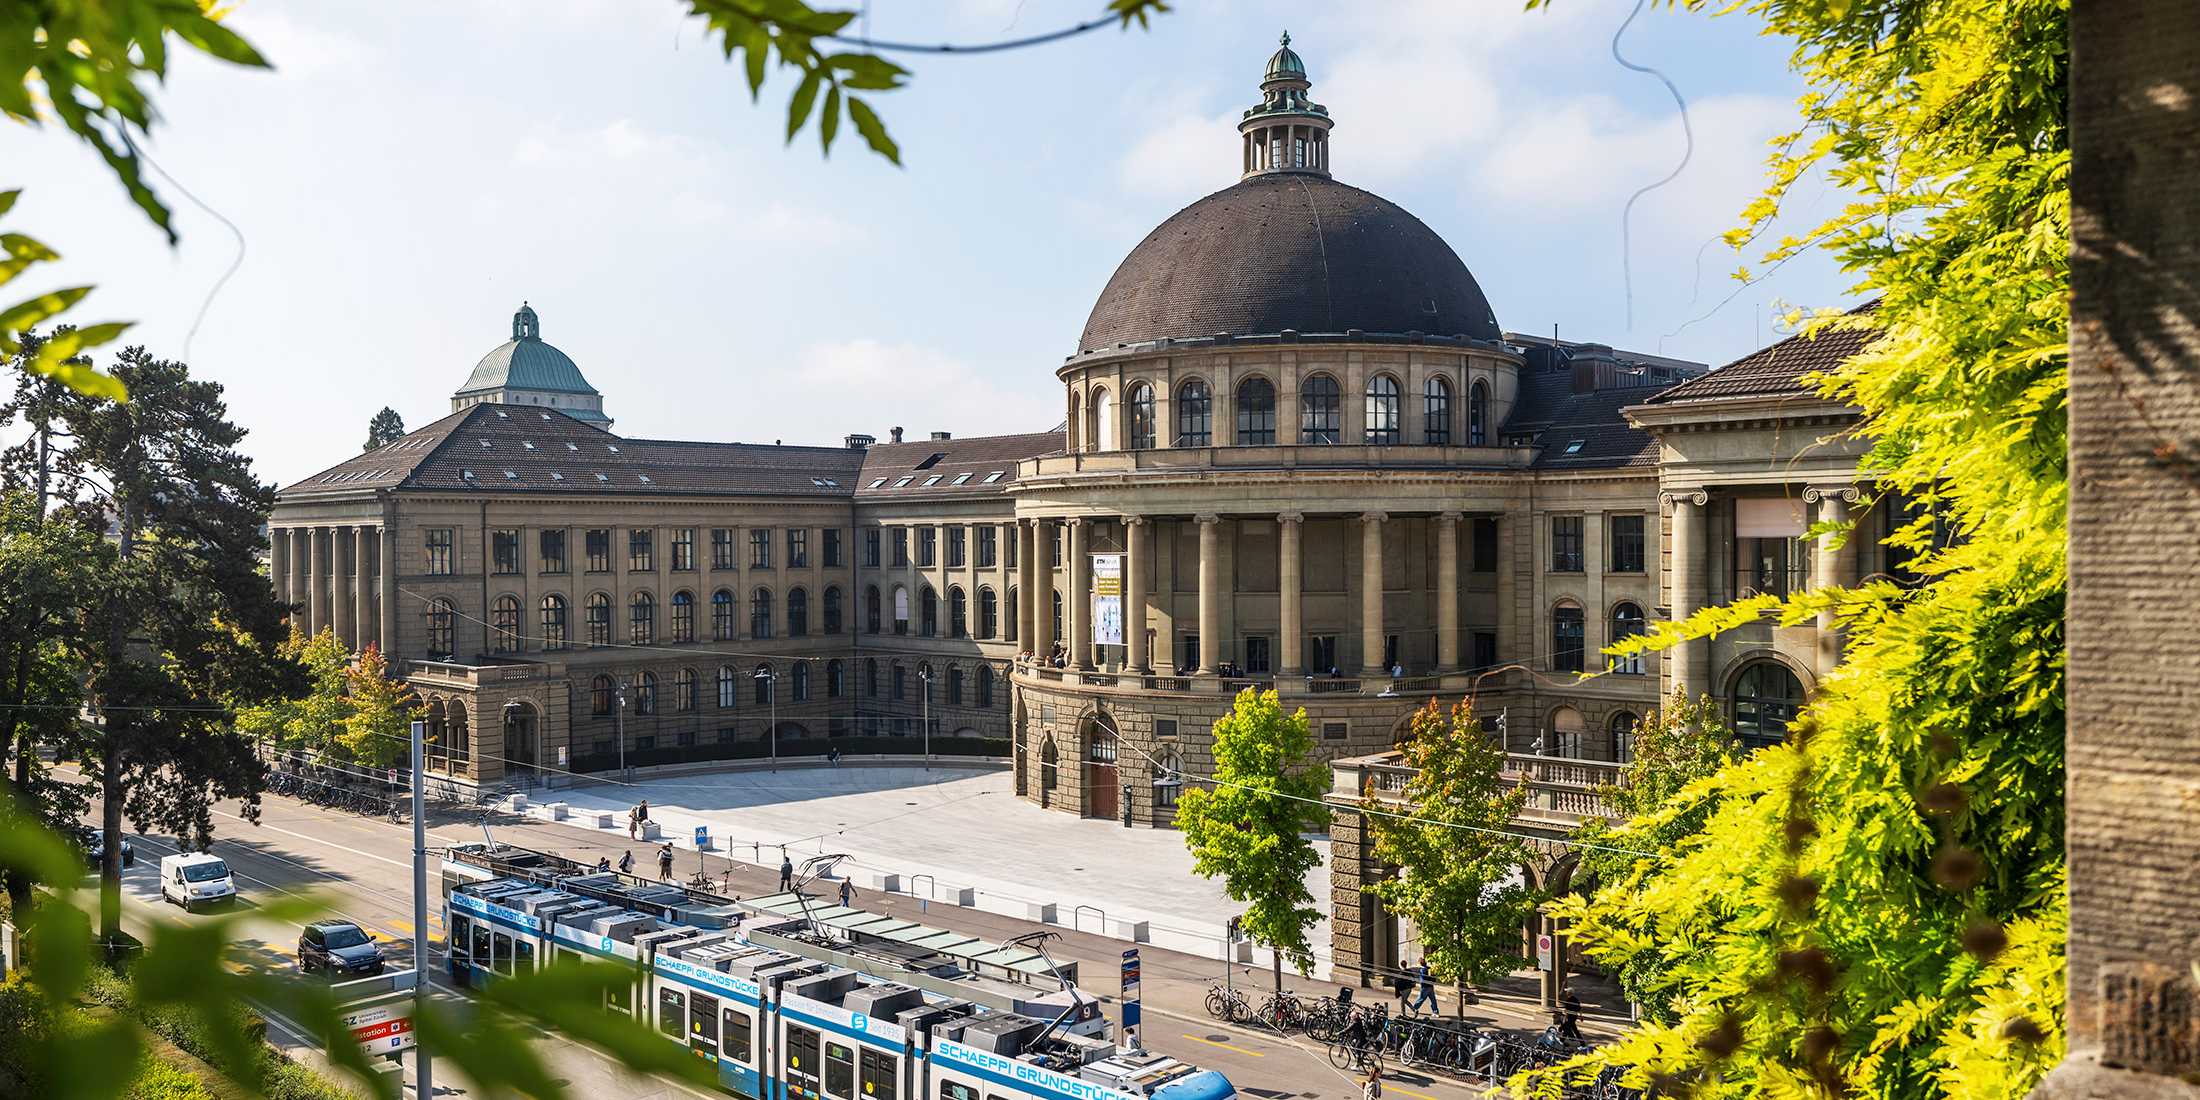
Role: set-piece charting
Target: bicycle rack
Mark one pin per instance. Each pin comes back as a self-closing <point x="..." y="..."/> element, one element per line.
<point x="1077" y="918"/>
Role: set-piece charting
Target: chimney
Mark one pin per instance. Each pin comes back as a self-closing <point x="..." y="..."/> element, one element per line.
<point x="943" y="435"/>
<point x="858" y="441"/>
<point x="896" y="433"/>
<point x="1594" y="368"/>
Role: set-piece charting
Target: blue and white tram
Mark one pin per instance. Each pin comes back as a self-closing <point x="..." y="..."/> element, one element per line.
<point x="778" y="1026"/>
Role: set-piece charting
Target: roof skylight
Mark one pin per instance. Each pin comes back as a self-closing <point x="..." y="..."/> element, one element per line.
<point x="994" y="476"/>
<point x="960" y="479"/>
<point x="876" y="482"/>
<point x="933" y="480"/>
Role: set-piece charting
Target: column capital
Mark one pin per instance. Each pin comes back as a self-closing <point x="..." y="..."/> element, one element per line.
<point x="1698" y="497"/>
<point x="1132" y="521"/>
<point x="1451" y="517"/>
<point x="1206" y="518"/>
<point x="1073" y="522"/>
<point x="1374" y="517"/>
<point x="1291" y="517"/>
<point x="1847" y="494"/>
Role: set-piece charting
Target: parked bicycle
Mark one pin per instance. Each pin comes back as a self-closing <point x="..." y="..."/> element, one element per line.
<point x="1227" y="1004"/>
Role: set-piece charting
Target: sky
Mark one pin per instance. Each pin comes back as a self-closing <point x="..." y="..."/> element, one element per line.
<point x="410" y="172"/>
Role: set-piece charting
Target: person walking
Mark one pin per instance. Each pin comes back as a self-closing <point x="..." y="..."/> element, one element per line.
<point x="626" y="862"/>
<point x="603" y="863"/>
<point x="1425" y="995"/>
<point x="1371" y="1086"/>
<point x="786" y="873"/>
<point x="847" y="893"/>
<point x="664" y="863"/>
<point x="1569" y="1020"/>
<point x="634" y="823"/>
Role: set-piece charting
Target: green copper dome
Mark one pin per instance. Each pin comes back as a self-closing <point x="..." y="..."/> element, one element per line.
<point x="1284" y="64"/>
<point x="525" y="362"/>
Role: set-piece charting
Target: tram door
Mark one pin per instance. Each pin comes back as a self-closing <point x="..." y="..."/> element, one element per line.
<point x="1100" y="771"/>
<point x="703" y="1026"/>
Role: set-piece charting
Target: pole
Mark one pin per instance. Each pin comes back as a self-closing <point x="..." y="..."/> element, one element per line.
<point x="423" y="1079"/>
<point x="771" y="681"/>
<point x="926" y="676"/>
<point x="618" y="720"/>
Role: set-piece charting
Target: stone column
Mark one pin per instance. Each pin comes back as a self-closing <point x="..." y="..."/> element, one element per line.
<point x="278" y="562"/>
<point x="1137" y="535"/>
<point x="317" y="572"/>
<point x="1210" y="591"/>
<point x="1825" y="567"/>
<point x="301" y="545"/>
<point x="913" y="582"/>
<point x="1003" y="578"/>
<point x="1027" y="587"/>
<point x="1447" y="592"/>
<point x="1289" y="634"/>
<point x="340" y="583"/>
<point x="1690" y="676"/>
<point x="362" y="587"/>
<point x="1042" y="587"/>
<point x="1078" y="604"/>
<point x="1371" y="594"/>
<point x="387" y="559"/>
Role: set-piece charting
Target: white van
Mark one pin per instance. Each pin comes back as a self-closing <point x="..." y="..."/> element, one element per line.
<point x="193" y="878"/>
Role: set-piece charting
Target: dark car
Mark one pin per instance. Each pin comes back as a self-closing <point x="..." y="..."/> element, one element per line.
<point x="338" y="947"/>
<point x="94" y="844"/>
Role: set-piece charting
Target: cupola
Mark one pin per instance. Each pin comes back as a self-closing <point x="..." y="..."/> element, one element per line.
<point x="1288" y="132"/>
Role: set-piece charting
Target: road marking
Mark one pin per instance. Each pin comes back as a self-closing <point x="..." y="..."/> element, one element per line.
<point x="318" y="840"/>
<point x="1231" y="1046"/>
<point x="1394" y="1087"/>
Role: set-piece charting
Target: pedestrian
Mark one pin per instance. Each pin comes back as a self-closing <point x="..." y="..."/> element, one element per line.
<point x="1569" y="1020"/>
<point x="603" y="863"/>
<point x="1344" y="996"/>
<point x="1397" y="672"/>
<point x="1371" y="1086"/>
<point x="664" y="863"/>
<point x="643" y="809"/>
<point x="1401" y="986"/>
<point x="626" y="862"/>
<point x="1425" y="995"/>
<point x="847" y="893"/>
<point x="786" y="873"/>
<point x="634" y="823"/>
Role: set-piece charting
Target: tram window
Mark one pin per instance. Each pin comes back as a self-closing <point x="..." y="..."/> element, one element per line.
<point x="703" y="1020"/>
<point x="880" y="1075"/>
<point x="950" y="1090"/>
<point x="524" y="959"/>
<point x="504" y="954"/>
<point x="802" y="1055"/>
<point x="480" y="952"/>
<point x="622" y="998"/>
<point x="461" y="938"/>
<point x="739" y="1044"/>
<point x="671" y="1012"/>
<point x="840" y="1071"/>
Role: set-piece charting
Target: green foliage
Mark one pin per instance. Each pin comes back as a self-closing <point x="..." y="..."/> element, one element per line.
<point x="1456" y="868"/>
<point x="378" y="731"/>
<point x="387" y="427"/>
<point x="158" y="1080"/>
<point x="314" y="721"/>
<point x="1250" y="822"/>
<point x="1875" y="908"/>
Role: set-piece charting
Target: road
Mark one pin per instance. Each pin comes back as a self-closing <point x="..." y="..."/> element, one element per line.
<point x="362" y="866"/>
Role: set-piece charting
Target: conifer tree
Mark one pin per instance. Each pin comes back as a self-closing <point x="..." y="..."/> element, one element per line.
<point x="386" y="427"/>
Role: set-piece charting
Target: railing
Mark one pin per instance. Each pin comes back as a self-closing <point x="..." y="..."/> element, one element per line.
<point x="1345" y="456"/>
<point x="1562" y="792"/>
<point x="1054" y="674"/>
<point x="1403" y="687"/>
<point x="1327" y="685"/>
<point x="1167" y="683"/>
<point x="1096" y="679"/>
<point x="1235" y="685"/>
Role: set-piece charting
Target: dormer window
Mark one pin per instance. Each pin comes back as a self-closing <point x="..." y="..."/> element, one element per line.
<point x="1573" y="446"/>
<point x="932" y="461"/>
<point x="556" y="476"/>
<point x="905" y="481"/>
<point x="614" y="449"/>
<point x="510" y="476"/>
<point x="484" y="444"/>
<point x="572" y="446"/>
<point x="933" y="480"/>
<point x="644" y="477"/>
<point x="527" y="445"/>
<point x="600" y="477"/>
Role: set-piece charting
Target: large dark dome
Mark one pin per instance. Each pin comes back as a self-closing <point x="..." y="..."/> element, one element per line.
<point x="1290" y="250"/>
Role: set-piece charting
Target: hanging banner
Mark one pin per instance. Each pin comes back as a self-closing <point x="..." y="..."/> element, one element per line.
<point x="1107" y="599"/>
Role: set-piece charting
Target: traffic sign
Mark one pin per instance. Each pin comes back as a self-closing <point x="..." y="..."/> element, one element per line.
<point x="1543" y="952"/>
<point x="383" y="1029"/>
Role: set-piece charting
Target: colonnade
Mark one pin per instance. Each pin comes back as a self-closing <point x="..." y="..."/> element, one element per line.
<point x="339" y="577"/>
<point x="1690" y="661"/>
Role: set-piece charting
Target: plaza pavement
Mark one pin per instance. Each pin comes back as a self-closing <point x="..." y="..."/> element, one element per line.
<point x="951" y="827"/>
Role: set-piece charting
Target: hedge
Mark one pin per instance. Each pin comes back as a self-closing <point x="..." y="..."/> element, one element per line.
<point x="280" y="1078"/>
<point x="758" y="749"/>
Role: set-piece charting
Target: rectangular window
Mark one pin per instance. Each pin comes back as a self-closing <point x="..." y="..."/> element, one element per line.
<point x="1567" y="640"/>
<point x="551" y="551"/>
<point x="1187" y="648"/>
<point x="1565" y="544"/>
<point x="1335" y="731"/>
<point x="1769" y="566"/>
<point x="1626" y="554"/>
<point x="738" y="1040"/>
<point x="641" y="550"/>
<point x="1485" y="648"/>
<point x="683" y="549"/>
<point x="950" y="1090"/>
<point x="901" y="547"/>
<point x="1256" y="656"/>
<point x="988" y="538"/>
<point x="440" y="540"/>
<point x="955" y="546"/>
<point x="832" y="547"/>
<point x="798" y="547"/>
<point x="927" y="546"/>
<point x="1013" y="543"/>
<point x="1485" y="545"/>
<point x="1321" y="655"/>
<point x="840" y="1072"/>
<point x="504" y="551"/>
<point x="870" y="548"/>
<point x="1164" y="729"/>
<point x="760" y="548"/>
<point x="721" y="548"/>
<point x="599" y="550"/>
<point x="672" y="1013"/>
<point x="702" y="1007"/>
<point x="881" y="1075"/>
<point x="802" y="1057"/>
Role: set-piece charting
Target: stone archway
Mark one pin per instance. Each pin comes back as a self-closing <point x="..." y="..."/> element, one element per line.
<point x="1103" y="779"/>
<point x="1020" y="747"/>
<point x="522" y="739"/>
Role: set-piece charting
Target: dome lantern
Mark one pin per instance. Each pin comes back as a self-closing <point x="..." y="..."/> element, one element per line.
<point x="525" y="325"/>
<point x="1288" y="132"/>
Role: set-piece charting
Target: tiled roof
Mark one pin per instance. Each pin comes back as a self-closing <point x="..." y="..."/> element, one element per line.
<point x="528" y="449"/>
<point x="1775" y="371"/>
<point x="974" y="466"/>
<point x="1586" y="431"/>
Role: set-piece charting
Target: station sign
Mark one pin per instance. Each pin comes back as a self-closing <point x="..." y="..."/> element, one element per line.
<point x="384" y="1029"/>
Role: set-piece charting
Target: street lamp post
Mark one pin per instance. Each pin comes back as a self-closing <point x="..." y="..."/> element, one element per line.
<point x="924" y="675"/>
<point x="771" y="692"/>
<point x="618" y="722"/>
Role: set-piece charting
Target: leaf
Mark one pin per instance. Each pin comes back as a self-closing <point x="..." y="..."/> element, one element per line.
<point x="100" y="1060"/>
<point x="58" y="360"/>
<point x="30" y="313"/>
<point x="829" y="125"/>
<point x="7" y="200"/>
<point x="220" y="41"/>
<point x="868" y="72"/>
<point x="873" y="131"/>
<point x="805" y="97"/>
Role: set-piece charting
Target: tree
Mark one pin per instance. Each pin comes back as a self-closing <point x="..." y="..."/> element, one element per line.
<point x="1876" y="907"/>
<point x="387" y="427"/>
<point x="47" y="575"/>
<point x="378" y="731"/>
<point x="1250" y="822"/>
<point x="1662" y="807"/>
<point x="1458" y="875"/>
<point x="312" y="721"/>
<point x="185" y="623"/>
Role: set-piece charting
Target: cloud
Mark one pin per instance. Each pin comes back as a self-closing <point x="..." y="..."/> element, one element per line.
<point x="1592" y="152"/>
<point x="872" y="382"/>
<point x="672" y="179"/>
<point x="1189" y="155"/>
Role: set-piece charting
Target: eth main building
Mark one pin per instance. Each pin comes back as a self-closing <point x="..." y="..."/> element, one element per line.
<point x="1299" y="453"/>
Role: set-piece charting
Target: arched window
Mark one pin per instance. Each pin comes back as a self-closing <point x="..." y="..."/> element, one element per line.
<point x="985" y="685"/>
<point x="870" y="609"/>
<point x="800" y="681"/>
<point x="954" y="686"/>
<point x="1075" y="422"/>
<point x="760" y="613"/>
<point x="1320" y="410"/>
<point x="1766" y="697"/>
<point x="1195" y="415"/>
<point x="1256" y="413"/>
<point x="870" y="677"/>
<point x="553" y="621"/>
<point x="1101" y="437"/>
<point x="683" y="691"/>
<point x="1382" y="427"/>
<point x="764" y="679"/>
<point x="1565" y="738"/>
<point x="798" y="612"/>
<point x="442" y="628"/>
<point x="683" y="616"/>
<point x="1050" y="759"/>
<point x="1478" y="415"/>
<point x="645" y="693"/>
<point x="600" y="691"/>
<point x="1436" y="411"/>
<point x="898" y="680"/>
<point x="1568" y="637"/>
<point x="832" y="610"/>
<point x="1622" y="727"/>
<point x="462" y="743"/>
<point x="729" y="687"/>
<point x="722" y="621"/>
<point x="989" y="614"/>
<point x="901" y="610"/>
<point x="958" y="612"/>
<point x="599" y="619"/>
<point x="1168" y="779"/>
<point x="834" y="675"/>
<point x="1140" y="408"/>
<point x="928" y="609"/>
<point x="1626" y="623"/>
<point x="642" y="619"/>
<point x="504" y="625"/>
<point x="1010" y="634"/>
